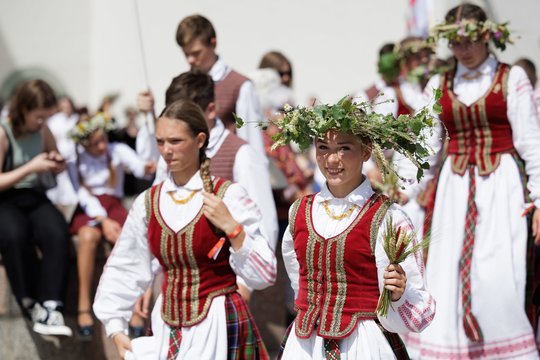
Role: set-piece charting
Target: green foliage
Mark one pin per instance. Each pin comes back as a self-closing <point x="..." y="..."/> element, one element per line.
<point x="238" y="121"/>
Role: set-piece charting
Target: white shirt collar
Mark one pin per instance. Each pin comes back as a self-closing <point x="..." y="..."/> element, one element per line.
<point x="195" y="183"/>
<point x="219" y="70"/>
<point x="486" y="68"/>
<point x="358" y="196"/>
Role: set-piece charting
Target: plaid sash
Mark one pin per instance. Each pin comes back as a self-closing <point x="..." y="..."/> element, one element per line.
<point x="175" y="338"/>
<point x="331" y="349"/>
<point x="244" y="340"/>
<point x="470" y="324"/>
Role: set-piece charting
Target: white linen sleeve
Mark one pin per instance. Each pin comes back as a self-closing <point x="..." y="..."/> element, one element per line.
<point x="251" y="171"/>
<point x="289" y="259"/>
<point x="129" y="159"/>
<point x="415" y="310"/>
<point x="249" y="109"/>
<point x="523" y="117"/>
<point x="88" y="202"/>
<point x="127" y="273"/>
<point x="255" y="261"/>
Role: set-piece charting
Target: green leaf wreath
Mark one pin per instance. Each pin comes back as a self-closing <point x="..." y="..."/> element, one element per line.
<point x="473" y="30"/>
<point x="406" y="134"/>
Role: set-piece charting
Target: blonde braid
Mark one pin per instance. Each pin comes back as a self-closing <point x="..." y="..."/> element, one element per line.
<point x="206" y="176"/>
<point x="208" y="185"/>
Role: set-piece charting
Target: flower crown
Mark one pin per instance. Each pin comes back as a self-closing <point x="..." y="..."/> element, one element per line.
<point x="472" y="30"/>
<point x="406" y="134"/>
<point x="85" y="128"/>
<point x="412" y="47"/>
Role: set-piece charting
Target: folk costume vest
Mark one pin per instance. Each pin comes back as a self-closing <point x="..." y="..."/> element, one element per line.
<point x="338" y="283"/>
<point x="226" y="95"/>
<point x="190" y="278"/>
<point x="222" y="162"/>
<point x="478" y="133"/>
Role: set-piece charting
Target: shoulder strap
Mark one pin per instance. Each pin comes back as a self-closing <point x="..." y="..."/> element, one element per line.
<point x="294" y="210"/>
<point x="504" y="70"/>
<point x="148" y="199"/>
<point x="7" y="165"/>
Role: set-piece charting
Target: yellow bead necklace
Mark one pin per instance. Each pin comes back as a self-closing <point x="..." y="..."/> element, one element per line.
<point x="339" y="216"/>
<point x="182" y="201"/>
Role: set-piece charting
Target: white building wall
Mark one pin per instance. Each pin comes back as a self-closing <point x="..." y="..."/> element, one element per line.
<point x="93" y="46"/>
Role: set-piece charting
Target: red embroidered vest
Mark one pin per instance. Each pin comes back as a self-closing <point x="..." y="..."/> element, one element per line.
<point x="479" y="133"/>
<point x="226" y="95"/>
<point x="222" y="163"/>
<point x="403" y="108"/>
<point x="338" y="283"/>
<point x="190" y="279"/>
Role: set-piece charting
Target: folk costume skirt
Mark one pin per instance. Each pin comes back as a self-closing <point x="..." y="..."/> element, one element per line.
<point x="227" y="332"/>
<point x="498" y="271"/>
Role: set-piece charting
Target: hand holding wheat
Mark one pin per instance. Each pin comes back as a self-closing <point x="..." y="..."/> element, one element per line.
<point x="395" y="281"/>
<point x="398" y="245"/>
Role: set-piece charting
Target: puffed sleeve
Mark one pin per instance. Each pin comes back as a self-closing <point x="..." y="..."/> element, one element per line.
<point x="127" y="273"/>
<point x="255" y="261"/>
<point x="416" y="307"/>
<point x="523" y="117"/>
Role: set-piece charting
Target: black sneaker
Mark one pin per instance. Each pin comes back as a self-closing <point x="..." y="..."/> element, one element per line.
<point x="49" y="321"/>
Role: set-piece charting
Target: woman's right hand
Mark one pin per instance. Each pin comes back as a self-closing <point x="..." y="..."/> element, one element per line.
<point x="145" y="101"/>
<point x="41" y="163"/>
<point x="122" y="343"/>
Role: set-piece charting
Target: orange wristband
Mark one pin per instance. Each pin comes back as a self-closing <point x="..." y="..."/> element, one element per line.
<point x="237" y="230"/>
<point x="213" y="254"/>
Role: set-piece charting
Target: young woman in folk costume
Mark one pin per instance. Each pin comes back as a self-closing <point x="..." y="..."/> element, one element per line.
<point x="333" y="248"/>
<point x="97" y="173"/>
<point x="203" y="231"/>
<point x="477" y="261"/>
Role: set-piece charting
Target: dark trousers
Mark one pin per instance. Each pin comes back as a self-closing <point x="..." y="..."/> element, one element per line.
<point x="28" y="222"/>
